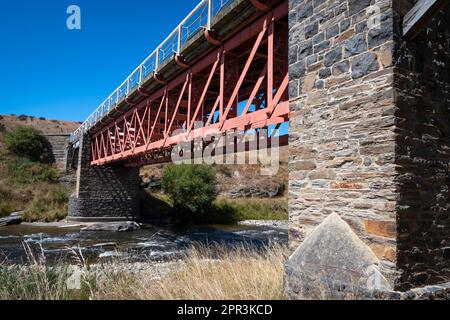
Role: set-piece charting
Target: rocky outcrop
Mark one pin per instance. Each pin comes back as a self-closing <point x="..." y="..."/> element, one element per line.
<point x="13" y="219"/>
<point x="113" y="227"/>
<point x="261" y="190"/>
<point x="150" y="182"/>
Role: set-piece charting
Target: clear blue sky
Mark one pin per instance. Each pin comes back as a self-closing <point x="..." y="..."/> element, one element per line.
<point x="50" y="71"/>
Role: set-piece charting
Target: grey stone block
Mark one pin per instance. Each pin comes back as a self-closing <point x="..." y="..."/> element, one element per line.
<point x="333" y="263"/>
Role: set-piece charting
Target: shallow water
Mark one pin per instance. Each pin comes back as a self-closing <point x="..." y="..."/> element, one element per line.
<point x="154" y="243"/>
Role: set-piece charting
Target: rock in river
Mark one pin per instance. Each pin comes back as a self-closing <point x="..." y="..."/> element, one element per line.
<point x="114" y="227"/>
<point x="15" y="218"/>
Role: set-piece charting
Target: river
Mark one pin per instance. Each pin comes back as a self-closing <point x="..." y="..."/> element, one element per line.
<point x="150" y="243"/>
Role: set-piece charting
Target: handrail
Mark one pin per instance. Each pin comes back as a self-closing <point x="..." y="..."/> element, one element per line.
<point x="139" y="75"/>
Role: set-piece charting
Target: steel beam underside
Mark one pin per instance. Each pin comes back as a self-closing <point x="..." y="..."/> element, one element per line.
<point x="250" y="67"/>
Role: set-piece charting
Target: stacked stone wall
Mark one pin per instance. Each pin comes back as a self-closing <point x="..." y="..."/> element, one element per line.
<point x="369" y="132"/>
<point x="58" y="149"/>
<point x="342" y="131"/>
<point x="103" y="193"/>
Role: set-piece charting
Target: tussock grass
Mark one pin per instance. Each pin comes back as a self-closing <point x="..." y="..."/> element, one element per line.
<point x="40" y="201"/>
<point x="49" y="203"/>
<point x="207" y="274"/>
<point x="239" y="274"/>
<point x="34" y="282"/>
<point x="39" y="281"/>
<point x="256" y="209"/>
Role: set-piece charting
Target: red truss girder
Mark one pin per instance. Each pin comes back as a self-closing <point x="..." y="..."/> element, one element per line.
<point x="251" y="67"/>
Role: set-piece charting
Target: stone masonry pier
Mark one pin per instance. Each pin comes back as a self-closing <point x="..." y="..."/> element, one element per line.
<point x="107" y="193"/>
<point x="370" y="138"/>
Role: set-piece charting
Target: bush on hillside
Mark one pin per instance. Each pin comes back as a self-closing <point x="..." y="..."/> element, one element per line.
<point x="24" y="171"/>
<point x="28" y="143"/>
<point x="191" y="188"/>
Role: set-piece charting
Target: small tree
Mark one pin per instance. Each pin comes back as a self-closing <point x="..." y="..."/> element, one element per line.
<point x="191" y="188"/>
<point x="27" y="142"/>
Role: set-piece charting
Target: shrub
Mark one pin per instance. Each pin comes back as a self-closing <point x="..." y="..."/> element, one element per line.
<point x="192" y="189"/>
<point x="23" y="117"/>
<point x="24" y="171"/>
<point x="60" y="197"/>
<point x="27" y="142"/>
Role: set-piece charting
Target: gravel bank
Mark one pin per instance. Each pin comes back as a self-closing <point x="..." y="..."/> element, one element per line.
<point x="282" y="225"/>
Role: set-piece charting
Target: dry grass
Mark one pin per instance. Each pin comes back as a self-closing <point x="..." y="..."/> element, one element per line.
<point x="36" y="280"/>
<point x="40" y="201"/>
<point x="205" y="274"/>
<point x="255" y="209"/>
<point x="240" y="274"/>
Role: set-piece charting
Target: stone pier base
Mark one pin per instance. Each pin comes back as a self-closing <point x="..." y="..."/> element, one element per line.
<point x="107" y="193"/>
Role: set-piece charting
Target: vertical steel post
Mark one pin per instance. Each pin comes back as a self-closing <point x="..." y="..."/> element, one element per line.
<point x="179" y="40"/>
<point x="222" y="85"/>
<point x="270" y="55"/>
<point x="157" y="60"/>
<point x="166" y="115"/>
<point x="189" y="100"/>
<point x="210" y="14"/>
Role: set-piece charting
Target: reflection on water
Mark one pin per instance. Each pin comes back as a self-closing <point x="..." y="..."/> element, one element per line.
<point x="151" y="242"/>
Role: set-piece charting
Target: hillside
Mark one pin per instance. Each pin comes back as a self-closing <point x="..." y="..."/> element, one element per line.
<point x="46" y="126"/>
<point x="28" y="186"/>
<point x="237" y="181"/>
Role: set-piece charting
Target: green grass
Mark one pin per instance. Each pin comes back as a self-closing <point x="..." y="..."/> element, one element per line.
<point x="256" y="209"/>
<point x="23" y="171"/>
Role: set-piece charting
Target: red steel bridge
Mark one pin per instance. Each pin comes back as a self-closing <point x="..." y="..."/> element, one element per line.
<point x="225" y="67"/>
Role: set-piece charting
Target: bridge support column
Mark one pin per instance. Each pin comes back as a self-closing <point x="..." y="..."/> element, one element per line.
<point x="369" y="197"/>
<point x="105" y="193"/>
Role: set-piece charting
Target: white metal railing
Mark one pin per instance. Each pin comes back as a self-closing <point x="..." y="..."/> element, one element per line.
<point x="200" y="18"/>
